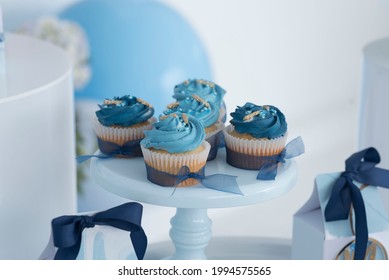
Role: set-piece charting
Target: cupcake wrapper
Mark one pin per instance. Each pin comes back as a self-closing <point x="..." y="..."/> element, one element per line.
<point x="172" y="163"/>
<point x="166" y="179"/>
<point x="213" y="138"/>
<point x="127" y="150"/>
<point x="254" y="147"/>
<point x="248" y="162"/>
<point x="120" y="135"/>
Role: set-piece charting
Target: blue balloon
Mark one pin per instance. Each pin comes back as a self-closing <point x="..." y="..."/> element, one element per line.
<point x="142" y="48"/>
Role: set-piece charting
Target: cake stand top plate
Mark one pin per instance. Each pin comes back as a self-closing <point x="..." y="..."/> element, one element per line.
<point x="127" y="178"/>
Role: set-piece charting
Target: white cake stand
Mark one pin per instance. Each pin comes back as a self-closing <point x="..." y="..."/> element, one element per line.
<point x="191" y="226"/>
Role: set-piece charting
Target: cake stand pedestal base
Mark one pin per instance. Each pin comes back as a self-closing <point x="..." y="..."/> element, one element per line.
<point x="190" y="233"/>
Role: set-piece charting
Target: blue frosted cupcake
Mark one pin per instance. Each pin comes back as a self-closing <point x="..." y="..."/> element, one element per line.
<point x="209" y="91"/>
<point x="121" y="122"/>
<point x="206" y="113"/>
<point x="255" y="134"/>
<point x="175" y="141"/>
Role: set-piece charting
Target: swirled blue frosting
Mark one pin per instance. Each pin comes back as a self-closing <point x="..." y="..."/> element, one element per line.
<point x="259" y="121"/>
<point x="209" y="91"/>
<point x="124" y="111"/>
<point x="175" y="133"/>
<point x="197" y="107"/>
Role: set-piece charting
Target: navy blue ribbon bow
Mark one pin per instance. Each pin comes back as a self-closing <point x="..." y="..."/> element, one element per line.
<point x="67" y="230"/>
<point x="109" y="150"/>
<point x="269" y="170"/>
<point x="360" y="167"/>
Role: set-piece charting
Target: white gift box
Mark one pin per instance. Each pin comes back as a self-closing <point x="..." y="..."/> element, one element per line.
<point x="100" y="242"/>
<point x="314" y="238"/>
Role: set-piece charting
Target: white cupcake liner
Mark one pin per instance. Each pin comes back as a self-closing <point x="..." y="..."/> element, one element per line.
<point x="121" y="135"/>
<point x="172" y="163"/>
<point x="255" y="147"/>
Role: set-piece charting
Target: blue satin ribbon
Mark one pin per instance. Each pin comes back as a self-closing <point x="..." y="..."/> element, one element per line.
<point x="269" y="170"/>
<point x="219" y="182"/>
<point x="109" y="150"/>
<point x="67" y="230"/>
<point x="81" y="159"/>
<point x="360" y="167"/>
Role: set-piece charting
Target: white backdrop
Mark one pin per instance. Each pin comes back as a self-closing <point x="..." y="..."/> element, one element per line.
<point x="302" y="56"/>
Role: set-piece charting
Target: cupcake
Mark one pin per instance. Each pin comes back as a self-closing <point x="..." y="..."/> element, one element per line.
<point x="175" y="143"/>
<point x="256" y="133"/>
<point x="120" y="124"/>
<point x="207" y="90"/>
<point x="206" y="113"/>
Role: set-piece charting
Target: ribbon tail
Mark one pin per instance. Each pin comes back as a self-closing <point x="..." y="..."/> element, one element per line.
<point x="81" y="159"/>
<point x="375" y="176"/>
<point x="67" y="235"/>
<point x="339" y="203"/>
<point x="294" y="148"/>
<point x="361" y="230"/>
<point x="139" y="241"/>
<point x="174" y="190"/>
<point x="68" y="253"/>
<point x="268" y="171"/>
<point x="222" y="182"/>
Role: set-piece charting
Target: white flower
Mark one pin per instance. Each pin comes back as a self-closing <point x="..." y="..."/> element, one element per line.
<point x="68" y="36"/>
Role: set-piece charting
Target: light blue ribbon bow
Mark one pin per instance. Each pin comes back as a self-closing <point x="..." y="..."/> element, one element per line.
<point x="293" y="149"/>
<point x="219" y="182"/>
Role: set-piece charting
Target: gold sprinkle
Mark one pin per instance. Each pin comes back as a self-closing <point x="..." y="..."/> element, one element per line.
<point x="204" y="82"/>
<point x="174" y="115"/>
<point x="110" y="101"/>
<point x="173" y="105"/>
<point x="251" y="116"/>
<point x="186" y="82"/>
<point x="140" y="100"/>
<point x="185" y="118"/>
<point x="199" y="99"/>
<point x="266" y="107"/>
